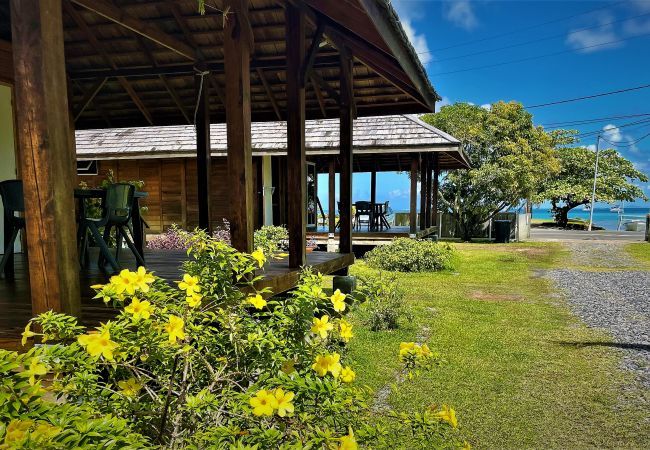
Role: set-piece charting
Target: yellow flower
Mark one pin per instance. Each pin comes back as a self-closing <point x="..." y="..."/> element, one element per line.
<point x="258" y="301"/>
<point x="348" y="375"/>
<point x="98" y="344"/>
<point x="126" y="281"/>
<point x="175" y="328"/>
<point x="338" y="301"/>
<point x="189" y="284"/>
<point x="143" y="279"/>
<point x="425" y="351"/>
<point x="448" y="415"/>
<point x="283" y="399"/>
<point x="349" y="442"/>
<point x="264" y="403"/>
<point x="34" y="370"/>
<point x="466" y="446"/>
<point x="321" y="326"/>
<point x="407" y="347"/>
<point x="139" y="310"/>
<point x="258" y="255"/>
<point x="129" y="387"/>
<point x="194" y="300"/>
<point x="345" y="330"/>
<point x="327" y="363"/>
<point x="28" y="333"/>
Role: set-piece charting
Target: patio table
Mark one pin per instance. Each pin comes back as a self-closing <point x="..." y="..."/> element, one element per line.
<point x="138" y="223"/>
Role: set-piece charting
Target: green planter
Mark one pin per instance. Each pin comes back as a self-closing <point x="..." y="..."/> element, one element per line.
<point x="346" y="284"/>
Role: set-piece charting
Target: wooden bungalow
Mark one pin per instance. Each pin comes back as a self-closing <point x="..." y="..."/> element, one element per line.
<point x="164" y="158"/>
<point x="82" y="64"/>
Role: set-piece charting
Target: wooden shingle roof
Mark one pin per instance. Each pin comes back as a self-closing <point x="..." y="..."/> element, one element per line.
<point x="383" y="136"/>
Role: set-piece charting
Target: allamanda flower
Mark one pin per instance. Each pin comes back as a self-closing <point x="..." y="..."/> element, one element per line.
<point x="345" y="330"/>
<point x="143" y="279"/>
<point x="327" y="363"/>
<point x="264" y="403"/>
<point x="189" y="284"/>
<point x="348" y="442"/>
<point x="348" y="375"/>
<point x="321" y="326"/>
<point x="125" y="282"/>
<point x="98" y="344"/>
<point x="407" y="347"/>
<point x="175" y="328"/>
<point x="129" y="387"/>
<point x="338" y="301"/>
<point x="139" y="310"/>
<point x="194" y="300"/>
<point x="448" y="415"/>
<point x="258" y="301"/>
<point x="258" y="255"/>
<point x="284" y="402"/>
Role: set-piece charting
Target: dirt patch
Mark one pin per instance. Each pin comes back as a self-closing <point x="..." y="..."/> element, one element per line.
<point x="489" y="297"/>
<point x="533" y="251"/>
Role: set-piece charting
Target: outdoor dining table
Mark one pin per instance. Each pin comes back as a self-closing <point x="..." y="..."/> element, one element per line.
<point x="378" y="219"/>
<point x="138" y="223"/>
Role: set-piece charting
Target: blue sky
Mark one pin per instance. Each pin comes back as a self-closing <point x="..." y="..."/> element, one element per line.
<point x="597" y="46"/>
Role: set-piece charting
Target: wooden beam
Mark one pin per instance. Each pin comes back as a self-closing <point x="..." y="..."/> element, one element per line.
<point x="296" y="158"/>
<point x="94" y="42"/>
<point x="141" y="27"/>
<point x="346" y="159"/>
<point x="311" y="55"/>
<point x="423" y="190"/>
<point x="96" y="105"/>
<point x="319" y="97"/>
<point x="88" y="97"/>
<point x="238" y="124"/>
<point x="324" y="85"/>
<point x="269" y="93"/>
<point x="47" y="157"/>
<point x="331" y="199"/>
<point x="373" y="186"/>
<point x="414" y="196"/>
<point x="203" y="157"/>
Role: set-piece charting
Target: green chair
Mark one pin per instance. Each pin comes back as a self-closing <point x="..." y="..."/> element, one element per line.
<point x="11" y="192"/>
<point x="116" y="213"/>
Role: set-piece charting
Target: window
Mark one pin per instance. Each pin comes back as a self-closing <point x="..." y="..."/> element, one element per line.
<point x="87" y="167"/>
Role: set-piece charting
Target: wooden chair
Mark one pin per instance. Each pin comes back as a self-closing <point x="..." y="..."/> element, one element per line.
<point x="364" y="210"/>
<point x="116" y="213"/>
<point x="11" y="192"/>
<point x="353" y="213"/>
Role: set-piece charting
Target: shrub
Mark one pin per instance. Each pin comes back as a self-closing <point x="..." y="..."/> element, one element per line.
<point x="271" y="239"/>
<point x="207" y="362"/>
<point x="411" y="255"/>
<point x="383" y="301"/>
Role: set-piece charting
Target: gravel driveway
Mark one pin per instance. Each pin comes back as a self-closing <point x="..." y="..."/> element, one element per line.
<point x="615" y="301"/>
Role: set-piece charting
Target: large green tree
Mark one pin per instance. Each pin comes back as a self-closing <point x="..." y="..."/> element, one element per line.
<point x="573" y="185"/>
<point x="510" y="158"/>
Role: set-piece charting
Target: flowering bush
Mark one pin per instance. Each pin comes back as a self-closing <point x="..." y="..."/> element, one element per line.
<point x="411" y="255"/>
<point x="271" y="239"/>
<point x="416" y="357"/>
<point x="206" y="362"/>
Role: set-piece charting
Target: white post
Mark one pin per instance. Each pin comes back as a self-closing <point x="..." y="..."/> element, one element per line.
<point x="593" y="192"/>
<point x="267" y="183"/>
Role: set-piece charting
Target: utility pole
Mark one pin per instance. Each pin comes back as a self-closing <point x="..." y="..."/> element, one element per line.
<point x="593" y="192"/>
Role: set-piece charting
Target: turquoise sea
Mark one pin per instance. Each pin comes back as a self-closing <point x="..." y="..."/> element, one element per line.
<point x="603" y="217"/>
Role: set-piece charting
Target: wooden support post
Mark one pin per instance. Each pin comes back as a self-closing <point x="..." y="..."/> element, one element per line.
<point x="423" y="190"/>
<point x="47" y="157"/>
<point x="436" y="187"/>
<point x="373" y="186"/>
<point x="331" y="197"/>
<point x="345" y="148"/>
<point x="429" y="185"/>
<point x="203" y="159"/>
<point x="414" y="195"/>
<point x="296" y="159"/>
<point x="237" y="49"/>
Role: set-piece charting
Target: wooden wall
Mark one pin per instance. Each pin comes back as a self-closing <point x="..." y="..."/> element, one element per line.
<point x="172" y="188"/>
<point x="6" y="63"/>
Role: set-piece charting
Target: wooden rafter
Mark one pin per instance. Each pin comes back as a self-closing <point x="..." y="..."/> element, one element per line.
<point x="311" y="55"/>
<point x="94" y="42"/>
<point x="95" y="104"/>
<point x="326" y="87"/>
<point x="269" y="92"/>
<point x="88" y="97"/>
<point x="136" y="25"/>
<point x="319" y="96"/>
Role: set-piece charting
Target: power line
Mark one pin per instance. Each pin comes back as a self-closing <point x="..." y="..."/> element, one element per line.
<point x="641" y="123"/>
<point x="590" y="120"/>
<point x="586" y="97"/>
<point x="534" y="41"/>
<point x="629" y="143"/>
<point x="504" y="63"/>
<point x="531" y="27"/>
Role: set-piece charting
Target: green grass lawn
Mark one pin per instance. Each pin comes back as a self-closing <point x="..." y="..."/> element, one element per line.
<point x="515" y="370"/>
<point x="640" y="250"/>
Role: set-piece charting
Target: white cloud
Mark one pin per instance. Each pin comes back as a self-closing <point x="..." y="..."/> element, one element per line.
<point x="591" y="147"/>
<point x="444" y="102"/>
<point x="640" y="5"/>
<point x="615" y="137"/>
<point x="636" y="27"/>
<point x="460" y="13"/>
<point x="595" y="39"/>
<point x="487" y="106"/>
<point x="419" y="41"/>
<point x="398" y="193"/>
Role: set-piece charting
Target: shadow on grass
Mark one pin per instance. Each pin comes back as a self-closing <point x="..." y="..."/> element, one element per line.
<point x="624" y="345"/>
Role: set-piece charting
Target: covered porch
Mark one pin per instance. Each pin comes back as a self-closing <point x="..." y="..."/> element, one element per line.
<point x="81" y="64"/>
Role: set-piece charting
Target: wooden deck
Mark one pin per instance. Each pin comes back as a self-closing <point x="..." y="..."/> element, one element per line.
<point x="15" y="304"/>
<point x="372" y="238"/>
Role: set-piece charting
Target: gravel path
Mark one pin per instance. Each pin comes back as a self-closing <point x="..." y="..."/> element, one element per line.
<point x="615" y="301"/>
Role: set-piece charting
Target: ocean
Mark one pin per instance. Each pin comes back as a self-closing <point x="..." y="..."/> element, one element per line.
<point x="603" y="217"/>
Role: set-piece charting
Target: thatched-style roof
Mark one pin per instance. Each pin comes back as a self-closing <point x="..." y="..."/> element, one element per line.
<point x="378" y="142"/>
<point x="132" y="63"/>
